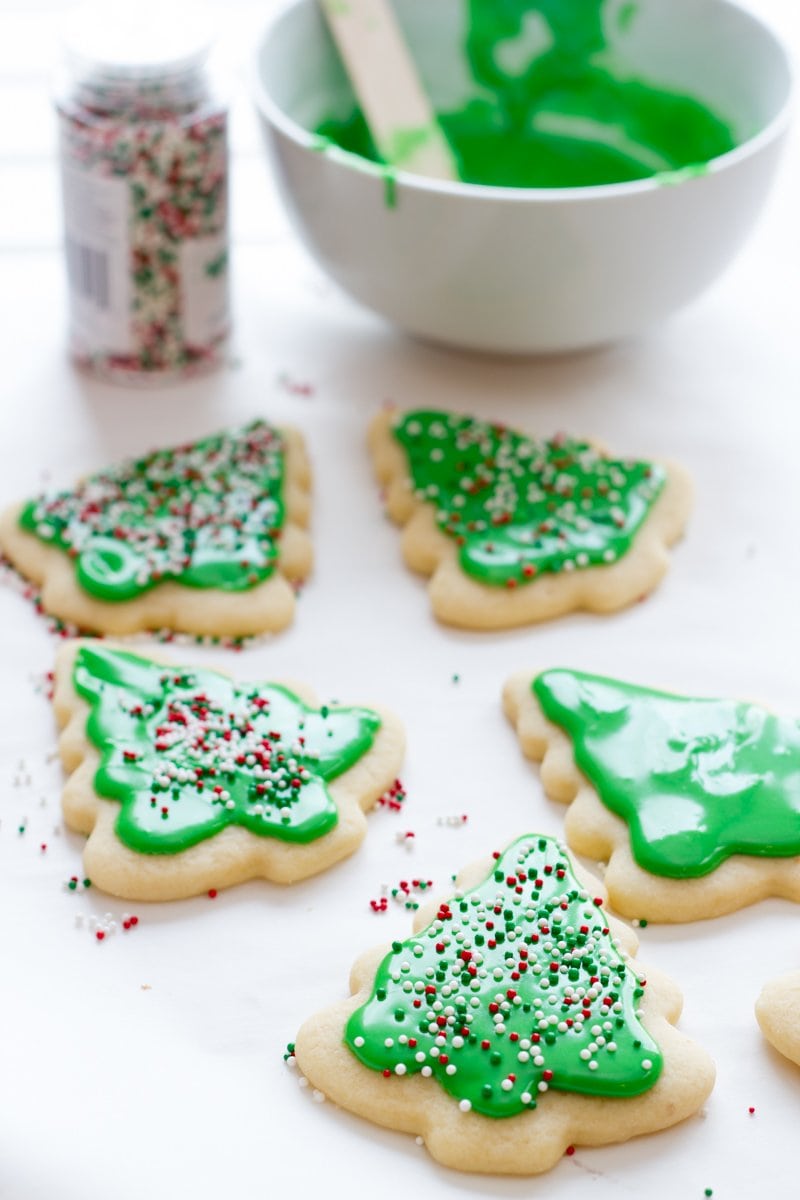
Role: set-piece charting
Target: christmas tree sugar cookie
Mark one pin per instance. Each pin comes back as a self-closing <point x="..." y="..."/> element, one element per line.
<point x="204" y="538"/>
<point x="693" y="803"/>
<point x="778" y="1014"/>
<point x="513" y="528"/>
<point x="512" y="1025"/>
<point x="184" y="780"/>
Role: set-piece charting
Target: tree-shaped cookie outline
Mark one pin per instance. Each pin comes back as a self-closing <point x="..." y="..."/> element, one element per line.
<point x="596" y="832"/>
<point x="531" y="1141"/>
<point x="233" y="852"/>
<point x="459" y="599"/>
<point x="240" y="581"/>
<point x="778" y="1014"/>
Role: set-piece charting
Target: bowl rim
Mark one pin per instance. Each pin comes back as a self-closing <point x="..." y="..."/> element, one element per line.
<point x="311" y="141"/>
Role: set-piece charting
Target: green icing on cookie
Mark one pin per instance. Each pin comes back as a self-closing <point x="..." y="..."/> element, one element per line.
<point x="515" y="987"/>
<point x="519" y="506"/>
<point x="206" y="514"/>
<point x="695" y="780"/>
<point x="187" y="752"/>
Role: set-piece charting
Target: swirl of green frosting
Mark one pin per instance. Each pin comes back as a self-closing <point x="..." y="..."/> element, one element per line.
<point x="206" y="514"/>
<point x="515" y="987"/>
<point x="547" y="99"/>
<point x="695" y="780"/>
<point x="187" y="752"/>
<point x="519" y="506"/>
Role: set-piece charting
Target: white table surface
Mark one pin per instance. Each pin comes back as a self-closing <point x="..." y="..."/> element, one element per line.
<point x="151" y="1064"/>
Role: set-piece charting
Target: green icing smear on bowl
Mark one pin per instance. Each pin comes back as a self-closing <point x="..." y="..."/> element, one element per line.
<point x="548" y="114"/>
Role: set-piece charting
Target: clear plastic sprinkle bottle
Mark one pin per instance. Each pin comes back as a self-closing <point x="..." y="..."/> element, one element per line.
<point x="143" y="153"/>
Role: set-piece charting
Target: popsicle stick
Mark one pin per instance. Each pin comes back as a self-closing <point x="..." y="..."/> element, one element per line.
<point x="388" y="88"/>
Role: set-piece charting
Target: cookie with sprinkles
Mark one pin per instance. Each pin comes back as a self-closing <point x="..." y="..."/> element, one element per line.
<point x="186" y="781"/>
<point x="513" y="1025"/>
<point x="778" y="1014"/>
<point x="206" y="538"/>
<point x="514" y="528"/>
<point x="694" y="804"/>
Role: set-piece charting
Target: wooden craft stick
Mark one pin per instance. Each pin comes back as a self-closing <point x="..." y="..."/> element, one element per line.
<point x="388" y="88"/>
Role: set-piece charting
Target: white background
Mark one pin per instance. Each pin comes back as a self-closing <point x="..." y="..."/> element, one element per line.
<point x="151" y="1064"/>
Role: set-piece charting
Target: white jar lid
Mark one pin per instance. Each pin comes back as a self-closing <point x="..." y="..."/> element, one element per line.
<point x="123" y="40"/>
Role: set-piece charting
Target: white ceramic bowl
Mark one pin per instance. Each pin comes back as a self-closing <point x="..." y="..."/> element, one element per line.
<point x="527" y="270"/>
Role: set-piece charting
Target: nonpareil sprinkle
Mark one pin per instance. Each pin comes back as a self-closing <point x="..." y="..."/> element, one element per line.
<point x="394" y="797"/>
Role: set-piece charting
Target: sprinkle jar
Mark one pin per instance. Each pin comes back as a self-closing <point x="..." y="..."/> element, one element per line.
<point x="143" y="156"/>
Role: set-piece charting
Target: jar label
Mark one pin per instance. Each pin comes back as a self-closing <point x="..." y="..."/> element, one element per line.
<point x="204" y="289"/>
<point x="97" y="239"/>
